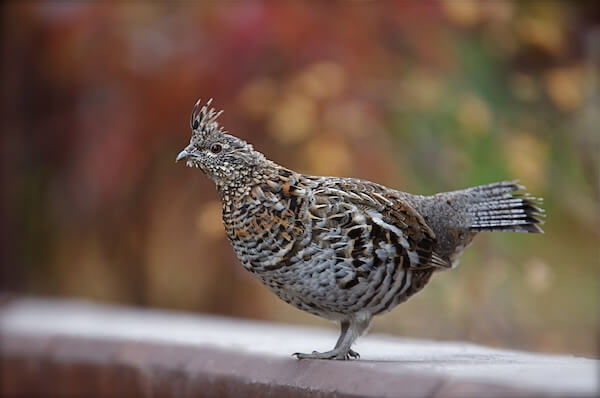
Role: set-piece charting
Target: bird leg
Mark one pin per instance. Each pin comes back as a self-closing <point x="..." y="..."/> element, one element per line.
<point x="342" y="348"/>
<point x="345" y="325"/>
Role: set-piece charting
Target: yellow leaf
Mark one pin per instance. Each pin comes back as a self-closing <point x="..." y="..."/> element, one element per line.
<point x="462" y="12"/>
<point x="564" y="86"/>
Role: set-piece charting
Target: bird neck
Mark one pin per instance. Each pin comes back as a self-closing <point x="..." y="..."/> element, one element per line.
<point x="238" y="184"/>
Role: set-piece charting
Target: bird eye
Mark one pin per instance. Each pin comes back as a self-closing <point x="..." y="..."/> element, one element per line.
<point x="216" y="148"/>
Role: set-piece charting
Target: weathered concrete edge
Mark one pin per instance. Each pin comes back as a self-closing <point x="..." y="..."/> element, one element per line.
<point x="54" y="365"/>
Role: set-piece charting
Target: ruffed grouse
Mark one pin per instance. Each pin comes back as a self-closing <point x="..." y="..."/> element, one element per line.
<point x="342" y="248"/>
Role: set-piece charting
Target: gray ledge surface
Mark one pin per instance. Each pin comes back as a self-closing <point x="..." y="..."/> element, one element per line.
<point x="96" y="349"/>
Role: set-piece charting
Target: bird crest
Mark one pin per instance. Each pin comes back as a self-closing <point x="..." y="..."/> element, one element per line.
<point x="204" y="122"/>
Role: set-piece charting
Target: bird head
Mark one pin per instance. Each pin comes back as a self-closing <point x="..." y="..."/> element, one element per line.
<point x="225" y="159"/>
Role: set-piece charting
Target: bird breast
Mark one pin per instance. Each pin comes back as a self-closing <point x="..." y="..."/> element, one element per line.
<point x="324" y="255"/>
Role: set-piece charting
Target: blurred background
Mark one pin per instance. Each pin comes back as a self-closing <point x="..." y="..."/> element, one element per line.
<point x="421" y="97"/>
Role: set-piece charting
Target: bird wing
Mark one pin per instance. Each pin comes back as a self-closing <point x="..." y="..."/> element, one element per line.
<point x="371" y="222"/>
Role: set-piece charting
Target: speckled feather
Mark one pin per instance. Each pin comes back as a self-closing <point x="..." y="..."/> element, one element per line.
<point x="341" y="248"/>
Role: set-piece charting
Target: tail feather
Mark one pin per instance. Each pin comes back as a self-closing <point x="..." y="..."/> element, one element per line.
<point x="499" y="207"/>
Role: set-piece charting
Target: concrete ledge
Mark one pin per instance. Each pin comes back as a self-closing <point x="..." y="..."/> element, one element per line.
<point x="69" y="348"/>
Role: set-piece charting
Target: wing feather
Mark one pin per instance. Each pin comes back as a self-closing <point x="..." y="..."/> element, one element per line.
<point x="371" y="204"/>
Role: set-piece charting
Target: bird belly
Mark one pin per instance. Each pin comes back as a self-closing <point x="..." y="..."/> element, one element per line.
<point x="318" y="281"/>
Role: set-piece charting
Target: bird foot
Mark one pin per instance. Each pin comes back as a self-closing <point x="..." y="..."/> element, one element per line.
<point x="333" y="354"/>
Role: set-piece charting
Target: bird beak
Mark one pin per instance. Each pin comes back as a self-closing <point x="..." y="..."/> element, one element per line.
<point x="182" y="155"/>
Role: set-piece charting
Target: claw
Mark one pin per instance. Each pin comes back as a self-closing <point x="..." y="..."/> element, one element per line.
<point x="353" y="354"/>
<point x="333" y="354"/>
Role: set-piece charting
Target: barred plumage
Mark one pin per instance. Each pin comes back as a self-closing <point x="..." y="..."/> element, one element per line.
<point x="341" y="248"/>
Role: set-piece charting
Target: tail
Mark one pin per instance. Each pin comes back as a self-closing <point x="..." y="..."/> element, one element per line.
<point x="498" y="207"/>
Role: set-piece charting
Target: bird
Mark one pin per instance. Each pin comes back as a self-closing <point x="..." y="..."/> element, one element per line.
<point x="344" y="249"/>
